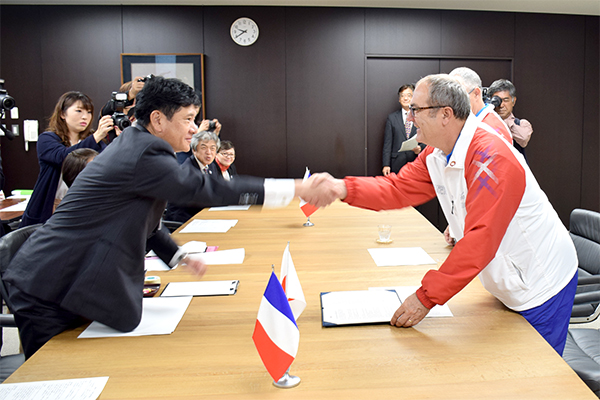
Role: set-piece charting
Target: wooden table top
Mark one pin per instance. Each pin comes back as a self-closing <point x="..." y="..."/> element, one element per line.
<point x="10" y="215"/>
<point x="484" y="351"/>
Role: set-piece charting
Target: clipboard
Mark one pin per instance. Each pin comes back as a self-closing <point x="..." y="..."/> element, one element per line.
<point x="359" y="307"/>
<point x="201" y="288"/>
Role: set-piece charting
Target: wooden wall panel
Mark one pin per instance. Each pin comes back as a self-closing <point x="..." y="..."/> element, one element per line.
<point x="478" y="33"/>
<point x="163" y="29"/>
<point x="245" y="88"/>
<point x="549" y="78"/>
<point x="21" y="68"/>
<point x="78" y="48"/>
<point x="325" y="90"/>
<point x="590" y="163"/>
<point x="402" y="32"/>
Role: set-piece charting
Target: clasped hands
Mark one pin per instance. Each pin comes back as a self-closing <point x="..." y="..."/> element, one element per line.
<point x="321" y="189"/>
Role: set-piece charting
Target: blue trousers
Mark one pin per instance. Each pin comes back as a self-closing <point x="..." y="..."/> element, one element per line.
<point x="551" y="319"/>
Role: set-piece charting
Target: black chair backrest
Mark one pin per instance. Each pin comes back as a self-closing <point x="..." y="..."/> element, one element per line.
<point x="9" y="245"/>
<point x="584" y="227"/>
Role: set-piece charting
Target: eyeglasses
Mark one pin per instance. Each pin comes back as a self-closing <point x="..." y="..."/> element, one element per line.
<point x="413" y="110"/>
<point x="228" y="155"/>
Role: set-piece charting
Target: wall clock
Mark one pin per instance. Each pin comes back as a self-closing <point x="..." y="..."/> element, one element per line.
<point x="244" y="31"/>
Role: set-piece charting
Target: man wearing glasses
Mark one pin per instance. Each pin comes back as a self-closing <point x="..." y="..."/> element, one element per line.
<point x="397" y="131"/>
<point x="521" y="129"/>
<point x="507" y="232"/>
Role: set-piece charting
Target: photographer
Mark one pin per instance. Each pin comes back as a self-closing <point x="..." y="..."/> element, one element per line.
<point x="69" y="128"/>
<point x="120" y="106"/>
<point x="520" y="129"/>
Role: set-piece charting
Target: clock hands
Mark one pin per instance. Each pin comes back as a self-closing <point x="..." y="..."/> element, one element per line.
<point x="242" y="32"/>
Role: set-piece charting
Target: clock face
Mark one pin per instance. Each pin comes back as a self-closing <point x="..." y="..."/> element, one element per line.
<point x="244" y="31"/>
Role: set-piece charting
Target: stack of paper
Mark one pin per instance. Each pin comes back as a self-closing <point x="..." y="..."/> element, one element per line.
<point x="160" y="316"/>
<point x="209" y="226"/>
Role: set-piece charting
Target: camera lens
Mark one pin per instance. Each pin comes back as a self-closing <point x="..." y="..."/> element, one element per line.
<point x="121" y="120"/>
<point x="6" y="101"/>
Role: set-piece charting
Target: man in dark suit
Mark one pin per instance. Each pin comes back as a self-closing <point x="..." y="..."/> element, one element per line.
<point x="204" y="147"/>
<point x="87" y="261"/>
<point x="397" y="131"/>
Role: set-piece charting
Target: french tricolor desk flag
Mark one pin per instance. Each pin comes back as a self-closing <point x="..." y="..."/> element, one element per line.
<point x="307" y="208"/>
<point x="276" y="335"/>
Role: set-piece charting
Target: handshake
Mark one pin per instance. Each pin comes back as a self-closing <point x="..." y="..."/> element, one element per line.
<point x="321" y="189"/>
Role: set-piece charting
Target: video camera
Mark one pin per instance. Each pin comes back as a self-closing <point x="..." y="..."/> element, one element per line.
<point x="488" y="99"/>
<point x="7" y="102"/>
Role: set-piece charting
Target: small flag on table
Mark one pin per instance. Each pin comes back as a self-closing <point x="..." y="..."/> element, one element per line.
<point x="291" y="284"/>
<point x="307" y="208"/>
<point x="276" y="335"/>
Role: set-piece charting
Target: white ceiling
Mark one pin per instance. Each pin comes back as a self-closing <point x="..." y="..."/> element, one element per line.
<point x="581" y="7"/>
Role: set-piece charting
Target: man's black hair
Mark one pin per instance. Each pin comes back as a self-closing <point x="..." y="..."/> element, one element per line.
<point x="166" y="95"/>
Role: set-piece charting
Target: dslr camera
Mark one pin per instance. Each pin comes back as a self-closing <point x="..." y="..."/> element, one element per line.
<point x="489" y="99"/>
<point x="118" y="102"/>
<point x="7" y="102"/>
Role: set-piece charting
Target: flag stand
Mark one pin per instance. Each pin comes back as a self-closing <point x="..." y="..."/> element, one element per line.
<point x="287" y="381"/>
<point x="308" y="223"/>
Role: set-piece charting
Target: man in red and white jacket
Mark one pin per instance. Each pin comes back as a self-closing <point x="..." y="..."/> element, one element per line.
<point x="505" y="228"/>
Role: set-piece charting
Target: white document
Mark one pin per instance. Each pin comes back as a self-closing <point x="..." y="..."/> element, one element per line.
<point x="160" y="316"/>
<point x="204" y="288"/>
<point x="358" y="307"/>
<point x="64" y="389"/>
<point x="405" y="291"/>
<point x="393" y="256"/>
<point x="209" y="226"/>
<point x="230" y="208"/>
<point x="153" y="263"/>
<point x="409" y="144"/>
<point x="16" y="207"/>
<point x="221" y="257"/>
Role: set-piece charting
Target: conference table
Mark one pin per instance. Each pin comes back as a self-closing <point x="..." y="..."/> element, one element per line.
<point x="483" y="351"/>
<point x="10" y="216"/>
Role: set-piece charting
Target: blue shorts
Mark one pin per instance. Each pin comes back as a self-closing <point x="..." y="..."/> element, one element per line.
<point x="551" y="319"/>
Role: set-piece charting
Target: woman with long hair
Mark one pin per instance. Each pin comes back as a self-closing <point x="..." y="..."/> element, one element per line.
<point x="69" y="128"/>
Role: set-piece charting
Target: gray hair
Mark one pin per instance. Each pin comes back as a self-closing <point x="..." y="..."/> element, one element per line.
<point x="501" y="85"/>
<point x="447" y="91"/>
<point x="469" y="77"/>
<point x="204" y="136"/>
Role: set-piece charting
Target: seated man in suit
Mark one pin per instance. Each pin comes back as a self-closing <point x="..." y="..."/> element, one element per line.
<point x="397" y="131"/>
<point x="204" y="146"/>
<point x="87" y="261"/>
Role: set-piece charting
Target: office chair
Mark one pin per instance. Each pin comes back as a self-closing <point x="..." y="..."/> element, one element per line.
<point x="582" y="353"/>
<point x="9" y="244"/>
<point x="584" y="227"/>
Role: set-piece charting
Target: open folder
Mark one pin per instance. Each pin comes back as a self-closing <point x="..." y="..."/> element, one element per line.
<point x="358" y="307"/>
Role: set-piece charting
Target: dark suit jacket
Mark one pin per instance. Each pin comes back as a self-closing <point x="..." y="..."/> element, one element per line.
<point x="88" y="258"/>
<point x="393" y="138"/>
<point x="182" y="212"/>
